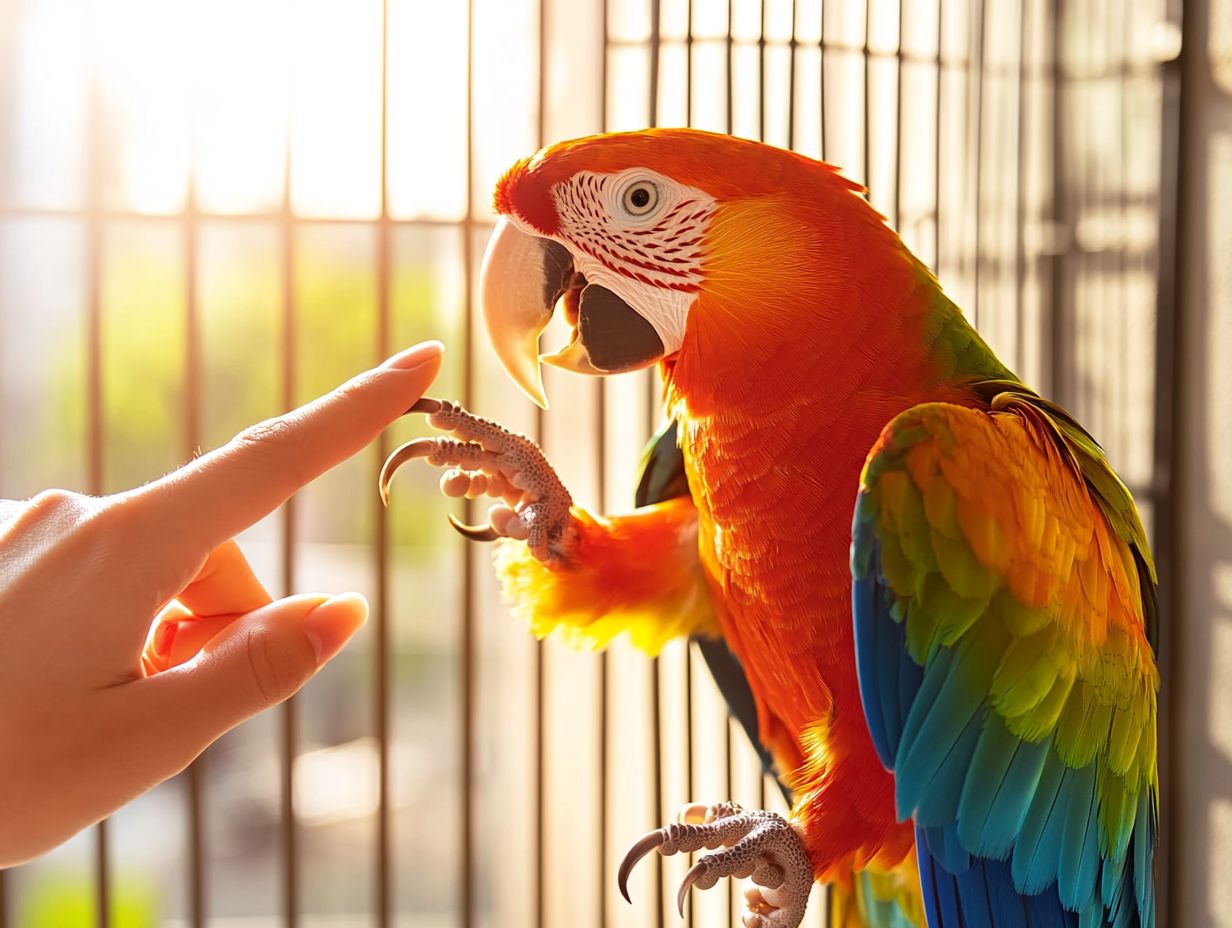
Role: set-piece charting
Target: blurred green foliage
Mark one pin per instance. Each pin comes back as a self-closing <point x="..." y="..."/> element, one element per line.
<point x="65" y="900"/>
<point x="240" y="346"/>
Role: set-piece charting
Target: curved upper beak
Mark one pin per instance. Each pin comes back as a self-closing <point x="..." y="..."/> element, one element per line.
<point x="521" y="279"/>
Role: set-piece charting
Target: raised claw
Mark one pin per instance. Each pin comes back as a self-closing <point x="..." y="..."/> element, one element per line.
<point x="418" y="448"/>
<point x="694" y="874"/>
<point x="487" y="459"/>
<point x="473" y="532"/>
<point x="643" y="846"/>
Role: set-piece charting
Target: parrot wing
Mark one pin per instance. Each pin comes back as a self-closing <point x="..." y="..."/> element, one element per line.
<point x="663" y="477"/>
<point x="1003" y="601"/>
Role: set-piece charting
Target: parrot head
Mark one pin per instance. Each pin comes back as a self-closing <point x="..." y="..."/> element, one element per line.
<point x="640" y="236"/>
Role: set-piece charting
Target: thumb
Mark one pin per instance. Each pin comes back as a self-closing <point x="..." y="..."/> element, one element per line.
<point x="259" y="660"/>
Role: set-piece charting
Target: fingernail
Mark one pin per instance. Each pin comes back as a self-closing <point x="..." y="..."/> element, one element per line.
<point x="331" y="624"/>
<point x="415" y="356"/>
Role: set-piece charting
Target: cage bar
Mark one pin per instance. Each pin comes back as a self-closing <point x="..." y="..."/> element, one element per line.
<point x="94" y="416"/>
<point x="382" y="682"/>
<point x="467" y="649"/>
<point x="194" y="798"/>
<point x="288" y="715"/>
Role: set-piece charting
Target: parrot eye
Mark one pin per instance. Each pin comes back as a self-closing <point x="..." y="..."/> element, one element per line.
<point x="640" y="198"/>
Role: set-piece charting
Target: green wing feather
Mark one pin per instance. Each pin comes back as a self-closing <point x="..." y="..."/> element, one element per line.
<point x="1004" y="614"/>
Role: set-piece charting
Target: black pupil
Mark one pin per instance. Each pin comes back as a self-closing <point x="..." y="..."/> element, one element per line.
<point x="640" y="197"/>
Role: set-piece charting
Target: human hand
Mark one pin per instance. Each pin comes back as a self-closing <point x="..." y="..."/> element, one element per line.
<point x="133" y="633"/>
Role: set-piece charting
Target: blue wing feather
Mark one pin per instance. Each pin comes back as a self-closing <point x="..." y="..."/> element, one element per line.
<point x="1007" y="835"/>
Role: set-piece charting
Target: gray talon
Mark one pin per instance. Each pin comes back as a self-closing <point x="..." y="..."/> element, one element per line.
<point x="755" y="844"/>
<point x="640" y="849"/>
<point x="473" y="532"/>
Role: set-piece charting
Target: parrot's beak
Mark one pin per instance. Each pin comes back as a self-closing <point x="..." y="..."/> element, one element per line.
<point x="522" y="279"/>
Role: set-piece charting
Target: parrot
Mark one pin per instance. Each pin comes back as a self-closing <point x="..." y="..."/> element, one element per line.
<point x="923" y="588"/>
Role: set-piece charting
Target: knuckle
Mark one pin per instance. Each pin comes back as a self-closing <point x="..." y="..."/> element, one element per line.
<point x="63" y="515"/>
<point x="59" y="503"/>
<point x="270" y="444"/>
<point x="275" y="673"/>
<point x="268" y="434"/>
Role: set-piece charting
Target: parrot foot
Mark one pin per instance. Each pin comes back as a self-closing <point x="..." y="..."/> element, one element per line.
<point x="757" y="844"/>
<point x="487" y="459"/>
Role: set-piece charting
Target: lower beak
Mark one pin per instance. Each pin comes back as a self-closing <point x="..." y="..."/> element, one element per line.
<point x="522" y="278"/>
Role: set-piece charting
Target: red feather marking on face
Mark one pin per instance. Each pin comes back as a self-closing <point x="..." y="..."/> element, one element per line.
<point x="528" y="201"/>
<point x="724" y="167"/>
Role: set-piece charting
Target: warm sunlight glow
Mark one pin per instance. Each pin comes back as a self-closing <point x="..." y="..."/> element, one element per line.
<point x="207" y="95"/>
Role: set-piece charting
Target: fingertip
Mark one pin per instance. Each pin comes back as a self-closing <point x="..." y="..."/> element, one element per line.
<point x="332" y="623"/>
<point x="416" y="356"/>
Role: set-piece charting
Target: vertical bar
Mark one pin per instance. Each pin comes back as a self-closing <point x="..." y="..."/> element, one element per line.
<point x="1054" y="375"/>
<point x="656" y="708"/>
<point x="978" y="139"/>
<point x="689" y="759"/>
<point x="4" y="902"/>
<point x="761" y="76"/>
<point x="467" y="655"/>
<point x="603" y="657"/>
<point x="791" y="81"/>
<point x="868" y="133"/>
<point x="656" y="694"/>
<point x="688" y="63"/>
<point x="688" y="648"/>
<point x="1020" y="191"/>
<point x="1125" y="70"/>
<point x="1170" y="413"/>
<point x="898" y="125"/>
<point x="821" y="90"/>
<point x="655" y="14"/>
<point x="538" y="675"/>
<point x="937" y="125"/>
<point x="728" y="767"/>
<point x="687" y="682"/>
<point x="731" y="60"/>
<point x="288" y="716"/>
<point x="102" y="876"/>
<point x="382" y="683"/>
<point x="94" y="411"/>
<point x="1089" y="73"/>
<point x="604" y="706"/>
<point x="540" y="767"/>
<point x="192" y="441"/>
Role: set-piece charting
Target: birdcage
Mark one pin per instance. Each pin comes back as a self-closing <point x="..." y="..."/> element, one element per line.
<point x="211" y="212"/>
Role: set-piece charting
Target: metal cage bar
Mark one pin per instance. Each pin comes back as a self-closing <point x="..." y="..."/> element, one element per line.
<point x="468" y="644"/>
<point x="1166" y="449"/>
<point x="382" y="676"/>
<point x="288" y="715"/>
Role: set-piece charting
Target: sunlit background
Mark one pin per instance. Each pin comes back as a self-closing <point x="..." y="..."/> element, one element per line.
<point x="213" y="210"/>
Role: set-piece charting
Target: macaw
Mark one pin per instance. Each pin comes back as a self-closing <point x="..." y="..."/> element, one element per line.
<point x="937" y="589"/>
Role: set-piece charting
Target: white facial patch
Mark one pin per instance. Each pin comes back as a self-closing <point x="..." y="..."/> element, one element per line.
<point x="639" y="234"/>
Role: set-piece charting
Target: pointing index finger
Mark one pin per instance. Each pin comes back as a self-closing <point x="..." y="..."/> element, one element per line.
<point x="221" y="493"/>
